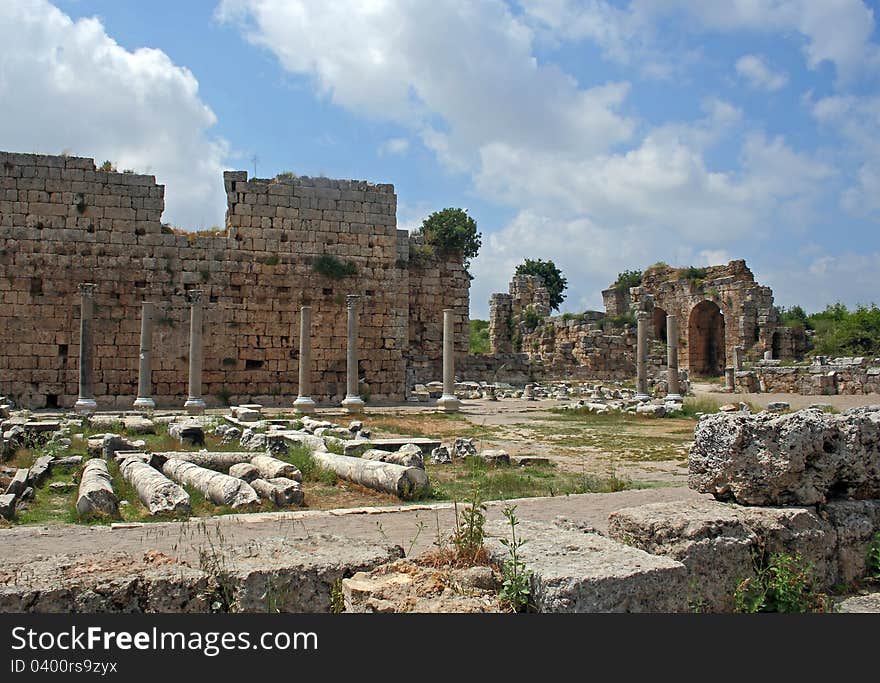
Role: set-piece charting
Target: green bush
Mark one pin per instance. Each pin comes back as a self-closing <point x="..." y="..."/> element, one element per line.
<point x="785" y="584"/>
<point x="478" y="341"/>
<point x="332" y="267"/>
<point x="452" y="231"/>
<point x="530" y="319"/>
<point x="627" y="279"/>
<point x="552" y="277"/>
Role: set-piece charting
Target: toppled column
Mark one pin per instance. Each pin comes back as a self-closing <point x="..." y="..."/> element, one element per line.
<point x="404" y="482"/>
<point x="279" y="490"/>
<point x="144" y="400"/>
<point x="448" y="401"/>
<point x="156" y="491"/>
<point x="96" y="495"/>
<point x="217" y="487"/>
<point x="273" y="468"/>
<point x="304" y="403"/>
<point x="673" y="384"/>
<point x="194" y="402"/>
<point x="85" y="403"/>
<point x="212" y="460"/>
<point x="352" y="402"/>
<point x="642" y="355"/>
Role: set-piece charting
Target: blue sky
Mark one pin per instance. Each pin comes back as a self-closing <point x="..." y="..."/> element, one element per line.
<point x="602" y="135"/>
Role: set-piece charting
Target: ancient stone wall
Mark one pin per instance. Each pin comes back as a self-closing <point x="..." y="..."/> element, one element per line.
<point x="824" y="377"/>
<point x="287" y="243"/>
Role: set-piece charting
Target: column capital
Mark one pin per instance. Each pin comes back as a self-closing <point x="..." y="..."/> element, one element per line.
<point x="87" y="288"/>
<point x="642" y="315"/>
<point x="351" y="300"/>
<point x="305" y="308"/>
<point x="194" y="296"/>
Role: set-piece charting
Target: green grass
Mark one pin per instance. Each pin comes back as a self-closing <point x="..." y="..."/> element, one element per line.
<point x="301" y="458"/>
<point x="458" y="481"/>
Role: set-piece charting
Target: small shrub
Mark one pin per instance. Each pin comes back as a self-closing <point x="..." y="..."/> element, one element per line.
<point x="452" y="231"/>
<point x="468" y="534"/>
<point x="337" y="603"/>
<point x="515" y="578"/>
<point x="627" y="279"/>
<point x="478" y="341"/>
<point x="785" y="584"/>
<point x="694" y="274"/>
<point x="333" y="268"/>
<point x="530" y="319"/>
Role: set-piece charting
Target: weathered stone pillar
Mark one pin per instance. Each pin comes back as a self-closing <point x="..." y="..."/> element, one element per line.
<point x="304" y="403"/>
<point x="448" y="402"/>
<point x="194" y="403"/>
<point x="642" y="355"/>
<point x="730" y="379"/>
<point x="352" y="402"/>
<point x="768" y="355"/>
<point x="738" y="352"/>
<point x="144" y="399"/>
<point x="85" y="403"/>
<point x="673" y="392"/>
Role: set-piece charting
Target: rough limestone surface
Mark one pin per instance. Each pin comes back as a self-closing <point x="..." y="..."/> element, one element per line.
<point x="96" y="495"/>
<point x="212" y="460"/>
<point x="217" y="487"/>
<point x="7" y="505"/>
<point x="244" y="471"/>
<point x="280" y="490"/>
<point x="188" y="432"/>
<point x="156" y="491"/>
<point x="719" y="543"/>
<point x="586" y="572"/>
<point x="108" y="582"/>
<point x="860" y="604"/>
<point x="856" y="522"/>
<point x="800" y="458"/>
<point x="404" y="482"/>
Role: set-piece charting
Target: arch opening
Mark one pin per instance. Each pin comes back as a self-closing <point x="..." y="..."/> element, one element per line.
<point x="659" y="324"/>
<point x="706" y="352"/>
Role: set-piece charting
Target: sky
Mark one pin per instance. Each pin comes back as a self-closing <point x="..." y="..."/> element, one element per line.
<point x="601" y="135"/>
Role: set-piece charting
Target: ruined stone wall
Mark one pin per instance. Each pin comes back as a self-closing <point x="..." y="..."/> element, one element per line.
<point x="824" y="377"/>
<point x="63" y="222"/>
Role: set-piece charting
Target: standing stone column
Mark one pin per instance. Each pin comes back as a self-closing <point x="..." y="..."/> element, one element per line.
<point x="448" y="402"/>
<point x="352" y="402"/>
<point x="673" y="392"/>
<point x="145" y="369"/>
<point x="642" y="355"/>
<point x="194" y="403"/>
<point x="85" y="403"/>
<point x="738" y="352"/>
<point x="304" y="403"/>
<point x="730" y="379"/>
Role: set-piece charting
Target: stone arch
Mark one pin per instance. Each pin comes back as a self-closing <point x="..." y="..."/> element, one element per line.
<point x="706" y="347"/>
<point x="659" y="324"/>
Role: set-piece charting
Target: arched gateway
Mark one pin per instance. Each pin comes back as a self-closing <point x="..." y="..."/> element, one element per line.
<point x="706" y="354"/>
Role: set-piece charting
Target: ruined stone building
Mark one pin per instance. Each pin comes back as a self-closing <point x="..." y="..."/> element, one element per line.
<point x="719" y="308"/>
<point x="287" y="242"/>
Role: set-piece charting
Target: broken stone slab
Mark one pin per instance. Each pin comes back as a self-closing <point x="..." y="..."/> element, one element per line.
<point x="272" y="468"/>
<point x="855" y="522"/>
<point x="585" y="572"/>
<point x="188" y="432"/>
<point x="407" y="458"/>
<point x="310" y="424"/>
<point x="405" y="482"/>
<point x="158" y="493"/>
<point x="19" y="482"/>
<point x="40" y="469"/>
<point x="41" y="426"/>
<point x="96" y="495"/>
<point x="212" y="460"/>
<point x="244" y="471"/>
<point x="778" y="406"/>
<point x="260" y="441"/>
<point x="462" y="448"/>
<point x="106" y="445"/>
<point x="720" y="543"/>
<point x="494" y="457"/>
<point x="62" y="486"/>
<point x="868" y="603"/>
<point x="7" y="505"/>
<point x="799" y="458"/>
<point x="313" y="443"/>
<point x="67" y="462"/>
<point x="651" y="410"/>
<point x="217" y="487"/>
<point x="280" y="490"/>
<point x="104" y="582"/>
<point x="138" y="424"/>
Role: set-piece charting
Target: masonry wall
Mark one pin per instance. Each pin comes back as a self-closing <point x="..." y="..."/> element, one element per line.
<point x="854" y="375"/>
<point x="63" y="222"/>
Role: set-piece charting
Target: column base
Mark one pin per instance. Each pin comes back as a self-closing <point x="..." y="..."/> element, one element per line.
<point x="144" y="402"/>
<point x="194" y="406"/>
<point x="304" y="405"/>
<point x="353" y="404"/>
<point x="642" y="397"/>
<point x="85" y="406"/>
<point x="674" y="397"/>
<point x="449" y="403"/>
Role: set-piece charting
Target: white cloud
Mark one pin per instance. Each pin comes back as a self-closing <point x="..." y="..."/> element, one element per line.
<point x="758" y="75"/>
<point x="394" y="147"/>
<point x="67" y="85"/>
